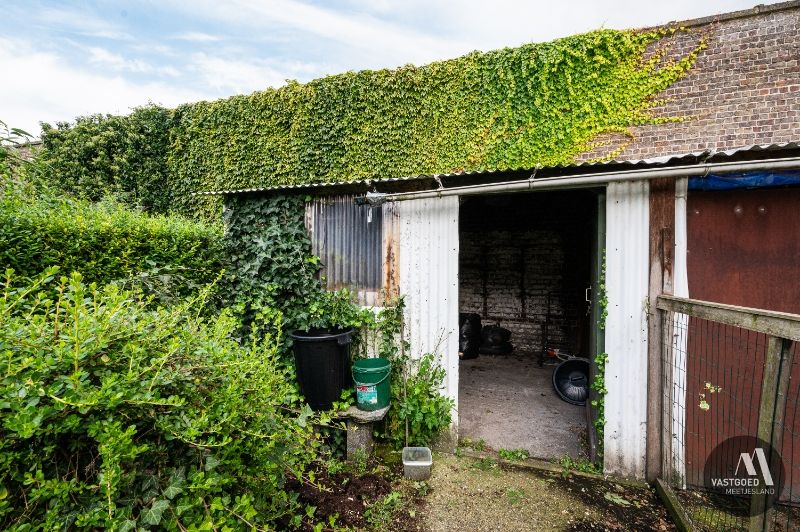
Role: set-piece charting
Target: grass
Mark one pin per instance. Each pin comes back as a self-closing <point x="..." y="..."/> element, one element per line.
<point x="478" y="493"/>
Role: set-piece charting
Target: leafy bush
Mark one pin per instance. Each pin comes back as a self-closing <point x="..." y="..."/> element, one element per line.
<point x="419" y="411"/>
<point x="105" y="242"/>
<point x="117" y="415"/>
<point x="122" y="156"/>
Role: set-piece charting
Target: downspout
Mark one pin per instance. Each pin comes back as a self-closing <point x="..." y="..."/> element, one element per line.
<point x="588" y="180"/>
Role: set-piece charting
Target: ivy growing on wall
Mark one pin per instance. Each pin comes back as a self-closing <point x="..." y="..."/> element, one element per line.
<point x="516" y="107"/>
<point x="269" y="254"/>
<point x="536" y="104"/>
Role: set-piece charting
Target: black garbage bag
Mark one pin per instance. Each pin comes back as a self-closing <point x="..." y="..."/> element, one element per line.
<point x="494" y="335"/>
<point x="469" y="335"/>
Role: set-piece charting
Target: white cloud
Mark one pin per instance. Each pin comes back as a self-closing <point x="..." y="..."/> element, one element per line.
<point x="373" y="40"/>
<point x="229" y="76"/>
<point x="197" y="36"/>
<point x="386" y="33"/>
<point x="116" y="62"/>
<point x="80" y="22"/>
<point x="43" y="87"/>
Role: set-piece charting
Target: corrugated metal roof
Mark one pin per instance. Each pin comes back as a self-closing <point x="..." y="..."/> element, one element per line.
<point x="702" y="156"/>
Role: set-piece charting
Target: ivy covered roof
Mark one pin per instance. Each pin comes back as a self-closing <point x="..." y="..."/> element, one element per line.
<point x="538" y="104"/>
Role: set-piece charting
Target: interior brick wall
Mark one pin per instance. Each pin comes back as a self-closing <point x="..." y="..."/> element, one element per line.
<point x="744" y="88"/>
<point x="515" y="253"/>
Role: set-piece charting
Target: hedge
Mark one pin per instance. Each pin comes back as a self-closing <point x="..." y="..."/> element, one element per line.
<point x="105" y="242"/>
<point x="101" y="155"/>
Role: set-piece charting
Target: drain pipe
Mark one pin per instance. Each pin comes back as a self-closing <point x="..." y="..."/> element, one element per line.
<point x="586" y="180"/>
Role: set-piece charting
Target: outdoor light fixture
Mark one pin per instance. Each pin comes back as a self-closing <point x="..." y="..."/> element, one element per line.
<point x="373" y="199"/>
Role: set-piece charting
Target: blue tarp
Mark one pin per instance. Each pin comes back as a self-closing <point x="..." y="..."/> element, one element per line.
<point x="745" y="180"/>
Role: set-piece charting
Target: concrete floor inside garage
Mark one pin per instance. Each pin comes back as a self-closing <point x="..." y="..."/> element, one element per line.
<point x="525" y="264"/>
<point x="509" y="402"/>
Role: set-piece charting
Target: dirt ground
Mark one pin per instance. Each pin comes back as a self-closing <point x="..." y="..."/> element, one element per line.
<point x="475" y="494"/>
<point x="480" y="494"/>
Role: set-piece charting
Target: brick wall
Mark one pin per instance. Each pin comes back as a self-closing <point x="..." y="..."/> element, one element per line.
<point x="516" y="252"/>
<point x="743" y="90"/>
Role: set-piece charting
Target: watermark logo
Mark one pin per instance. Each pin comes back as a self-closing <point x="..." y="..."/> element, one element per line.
<point x="745" y="466"/>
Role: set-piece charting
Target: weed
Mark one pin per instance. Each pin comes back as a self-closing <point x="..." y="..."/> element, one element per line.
<point x="379" y="514"/>
<point x="569" y="464"/>
<point x="514" y="454"/>
<point x="479" y="445"/>
<point x="334" y="466"/>
<point x="358" y="464"/>
<point x="484" y="464"/>
<point x="515" y="496"/>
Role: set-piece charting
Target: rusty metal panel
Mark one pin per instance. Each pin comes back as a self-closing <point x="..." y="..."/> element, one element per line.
<point x="348" y="239"/>
<point x="627" y="283"/>
<point x="429" y="281"/>
<point x="744" y="247"/>
<point x="390" y="252"/>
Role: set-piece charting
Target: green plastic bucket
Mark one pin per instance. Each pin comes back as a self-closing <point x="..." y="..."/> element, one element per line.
<point x="371" y="378"/>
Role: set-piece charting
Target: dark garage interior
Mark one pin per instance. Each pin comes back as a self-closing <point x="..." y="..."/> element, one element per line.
<point x="525" y="265"/>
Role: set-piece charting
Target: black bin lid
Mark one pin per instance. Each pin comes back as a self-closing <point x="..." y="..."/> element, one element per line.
<point x="571" y="380"/>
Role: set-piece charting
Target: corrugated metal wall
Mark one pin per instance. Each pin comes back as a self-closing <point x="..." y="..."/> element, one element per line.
<point x="429" y="280"/>
<point x="348" y="238"/>
<point x="627" y="270"/>
<point x="408" y="248"/>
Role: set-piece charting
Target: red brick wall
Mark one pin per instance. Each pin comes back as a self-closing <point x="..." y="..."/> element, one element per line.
<point x="743" y="90"/>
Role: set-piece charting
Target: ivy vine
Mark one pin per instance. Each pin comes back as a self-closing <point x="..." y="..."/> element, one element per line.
<point x="516" y="107"/>
<point x="599" y="381"/>
<point x="539" y="104"/>
<point x="269" y="254"/>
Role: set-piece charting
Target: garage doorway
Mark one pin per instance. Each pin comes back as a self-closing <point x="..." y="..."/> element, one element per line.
<point x="528" y="264"/>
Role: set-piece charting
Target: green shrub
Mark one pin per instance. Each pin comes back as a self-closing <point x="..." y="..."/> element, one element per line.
<point x="122" y="156"/>
<point x="115" y="415"/>
<point x="105" y="242"/>
<point x="419" y="412"/>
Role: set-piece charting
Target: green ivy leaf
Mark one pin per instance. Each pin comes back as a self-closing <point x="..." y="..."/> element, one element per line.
<point x="152" y="516"/>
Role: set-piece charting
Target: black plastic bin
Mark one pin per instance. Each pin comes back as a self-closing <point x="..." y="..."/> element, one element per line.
<point x="322" y="362"/>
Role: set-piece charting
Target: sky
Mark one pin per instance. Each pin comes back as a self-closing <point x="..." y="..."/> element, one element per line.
<point x="59" y="60"/>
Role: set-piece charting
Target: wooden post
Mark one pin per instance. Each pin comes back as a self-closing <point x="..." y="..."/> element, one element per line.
<point x="662" y="245"/>
<point x="774" y="386"/>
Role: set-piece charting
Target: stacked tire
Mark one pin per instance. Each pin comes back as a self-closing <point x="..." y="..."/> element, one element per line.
<point x="495" y="340"/>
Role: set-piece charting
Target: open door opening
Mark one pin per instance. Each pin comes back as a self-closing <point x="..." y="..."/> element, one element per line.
<point x="528" y="272"/>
